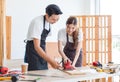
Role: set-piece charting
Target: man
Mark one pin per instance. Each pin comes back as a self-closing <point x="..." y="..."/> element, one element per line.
<point x="39" y="29"/>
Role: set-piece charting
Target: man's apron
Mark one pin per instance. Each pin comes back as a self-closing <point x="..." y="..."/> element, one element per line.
<point x="34" y="60"/>
<point x="70" y="53"/>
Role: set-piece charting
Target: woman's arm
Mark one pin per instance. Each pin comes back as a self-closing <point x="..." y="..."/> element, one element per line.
<point x="60" y="50"/>
<point x="79" y="46"/>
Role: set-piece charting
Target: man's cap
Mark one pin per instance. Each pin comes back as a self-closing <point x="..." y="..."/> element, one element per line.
<point x="54" y="8"/>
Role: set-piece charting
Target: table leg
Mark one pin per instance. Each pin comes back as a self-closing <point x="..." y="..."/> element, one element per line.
<point x="82" y="81"/>
<point x="97" y="80"/>
<point x="119" y="78"/>
<point x="104" y="80"/>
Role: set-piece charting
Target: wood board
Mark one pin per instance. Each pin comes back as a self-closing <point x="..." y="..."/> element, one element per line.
<point x="74" y="72"/>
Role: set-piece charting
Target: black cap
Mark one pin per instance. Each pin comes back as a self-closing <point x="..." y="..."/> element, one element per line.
<point x="53" y="9"/>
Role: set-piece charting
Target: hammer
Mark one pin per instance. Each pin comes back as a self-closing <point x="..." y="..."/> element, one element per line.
<point x="16" y="78"/>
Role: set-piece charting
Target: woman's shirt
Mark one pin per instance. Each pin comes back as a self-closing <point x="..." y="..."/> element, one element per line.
<point x="63" y="37"/>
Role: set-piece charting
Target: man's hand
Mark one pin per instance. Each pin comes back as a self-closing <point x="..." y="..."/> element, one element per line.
<point x="55" y="64"/>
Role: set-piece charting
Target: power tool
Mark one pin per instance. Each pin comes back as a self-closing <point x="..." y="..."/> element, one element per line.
<point x="97" y="64"/>
<point x="3" y="70"/>
<point x="68" y="66"/>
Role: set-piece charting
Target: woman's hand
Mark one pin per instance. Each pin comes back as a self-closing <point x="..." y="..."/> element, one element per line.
<point x="73" y="66"/>
<point x="65" y="60"/>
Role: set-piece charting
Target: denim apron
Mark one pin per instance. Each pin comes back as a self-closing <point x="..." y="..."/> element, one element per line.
<point x="33" y="58"/>
<point x="70" y="52"/>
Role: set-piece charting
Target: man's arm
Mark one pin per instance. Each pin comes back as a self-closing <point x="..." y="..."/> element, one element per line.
<point x="42" y="53"/>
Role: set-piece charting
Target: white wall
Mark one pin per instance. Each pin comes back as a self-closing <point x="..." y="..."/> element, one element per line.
<point x="23" y="11"/>
<point x="111" y="7"/>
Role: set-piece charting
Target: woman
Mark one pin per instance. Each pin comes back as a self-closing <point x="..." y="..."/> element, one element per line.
<point x="70" y="43"/>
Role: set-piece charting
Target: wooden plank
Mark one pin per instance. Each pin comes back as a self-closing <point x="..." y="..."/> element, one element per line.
<point x="92" y="39"/>
<point x="2" y="25"/>
<point x="101" y="40"/>
<point x="105" y="41"/>
<point x="110" y="79"/>
<point x="88" y="36"/>
<point x="109" y="44"/>
<point x="84" y="39"/>
<point x="97" y="80"/>
<point x="96" y="38"/>
<point x="8" y="37"/>
<point x="104" y="80"/>
<point x="74" y="72"/>
<point x="82" y="81"/>
<point x="109" y="39"/>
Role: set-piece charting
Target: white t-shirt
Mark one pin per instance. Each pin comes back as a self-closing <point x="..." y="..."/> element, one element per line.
<point x="36" y="28"/>
<point x="62" y="36"/>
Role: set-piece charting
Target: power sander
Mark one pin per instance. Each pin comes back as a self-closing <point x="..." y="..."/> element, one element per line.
<point x="68" y="66"/>
<point x="3" y="70"/>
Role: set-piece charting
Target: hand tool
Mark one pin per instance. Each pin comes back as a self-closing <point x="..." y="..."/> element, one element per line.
<point x="16" y="78"/>
<point x="5" y="78"/>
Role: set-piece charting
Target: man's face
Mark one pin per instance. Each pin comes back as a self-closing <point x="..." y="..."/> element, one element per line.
<point x="53" y="18"/>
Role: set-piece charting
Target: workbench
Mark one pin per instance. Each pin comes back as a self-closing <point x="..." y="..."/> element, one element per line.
<point x="55" y="75"/>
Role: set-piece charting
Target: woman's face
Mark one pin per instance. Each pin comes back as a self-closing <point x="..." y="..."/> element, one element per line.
<point x="70" y="28"/>
<point x="53" y="18"/>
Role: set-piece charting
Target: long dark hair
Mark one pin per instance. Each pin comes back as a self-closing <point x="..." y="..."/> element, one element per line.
<point x="73" y="20"/>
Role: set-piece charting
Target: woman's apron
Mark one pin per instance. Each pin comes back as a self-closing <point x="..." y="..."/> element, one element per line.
<point x="32" y="57"/>
<point x="70" y="53"/>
